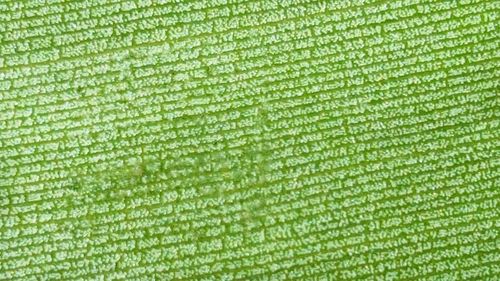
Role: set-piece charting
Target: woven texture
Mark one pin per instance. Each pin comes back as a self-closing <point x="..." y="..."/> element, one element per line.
<point x="249" y="140"/>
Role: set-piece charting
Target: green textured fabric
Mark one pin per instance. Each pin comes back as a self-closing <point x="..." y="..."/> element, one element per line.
<point x="249" y="140"/>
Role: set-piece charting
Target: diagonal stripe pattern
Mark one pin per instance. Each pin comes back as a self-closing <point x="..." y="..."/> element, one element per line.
<point x="249" y="140"/>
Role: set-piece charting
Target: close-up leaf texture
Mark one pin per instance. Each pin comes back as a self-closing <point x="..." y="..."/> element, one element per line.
<point x="249" y="140"/>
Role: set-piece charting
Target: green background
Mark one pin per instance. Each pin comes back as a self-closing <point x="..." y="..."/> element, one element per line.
<point x="249" y="140"/>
